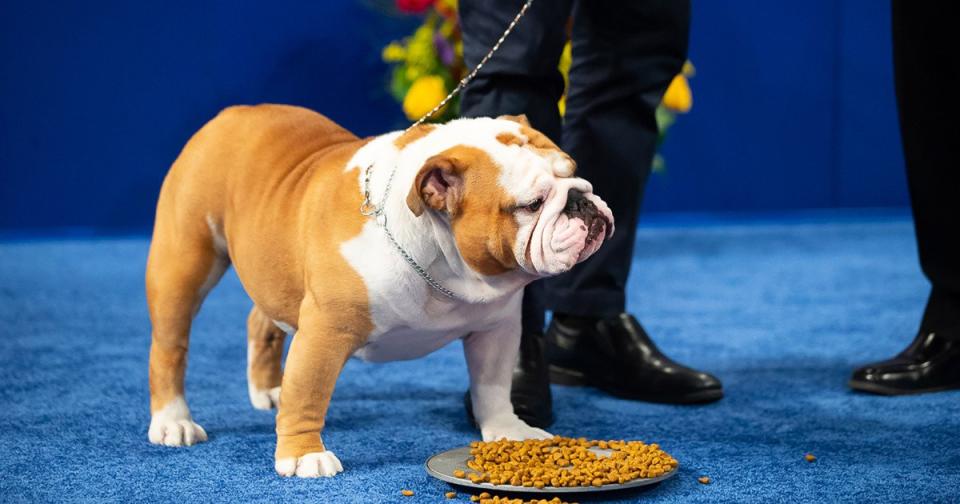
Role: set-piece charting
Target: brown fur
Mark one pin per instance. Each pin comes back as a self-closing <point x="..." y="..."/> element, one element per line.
<point x="519" y="119"/>
<point x="535" y="139"/>
<point x="265" y="344"/>
<point x="540" y="141"/>
<point x="507" y="138"/>
<point x="269" y="177"/>
<point x="484" y="226"/>
<point x="414" y="134"/>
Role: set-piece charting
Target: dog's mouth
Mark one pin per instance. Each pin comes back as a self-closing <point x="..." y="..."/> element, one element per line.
<point x="598" y="225"/>
<point x="595" y="222"/>
<point x="597" y="232"/>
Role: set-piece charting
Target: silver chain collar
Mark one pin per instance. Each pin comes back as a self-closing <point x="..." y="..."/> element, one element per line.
<point x="378" y="213"/>
<point x="367" y="207"/>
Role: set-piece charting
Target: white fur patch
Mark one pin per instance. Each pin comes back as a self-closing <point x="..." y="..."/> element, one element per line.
<point x="509" y="426"/>
<point x="410" y="318"/>
<point x="311" y="465"/>
<point x="261" y="399"/>
<point x="283" y="326"/>
<point x="219" y="240"/>
<point x="264" y="399"/>
<point x="173" y="426"/>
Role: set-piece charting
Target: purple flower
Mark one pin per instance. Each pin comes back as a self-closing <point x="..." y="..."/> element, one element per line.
<point x="444" y="48"/>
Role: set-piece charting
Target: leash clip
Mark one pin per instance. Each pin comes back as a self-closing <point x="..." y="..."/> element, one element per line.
<point x="366" y="208"/>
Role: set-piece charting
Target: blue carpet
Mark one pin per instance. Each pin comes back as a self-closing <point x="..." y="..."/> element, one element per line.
<point x="780" y="311"/>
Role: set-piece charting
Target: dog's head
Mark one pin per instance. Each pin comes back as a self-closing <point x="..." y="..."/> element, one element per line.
<point x="509" y="194"/>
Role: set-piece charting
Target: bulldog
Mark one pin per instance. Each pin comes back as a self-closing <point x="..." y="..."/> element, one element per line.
<point x="384" y="248"/>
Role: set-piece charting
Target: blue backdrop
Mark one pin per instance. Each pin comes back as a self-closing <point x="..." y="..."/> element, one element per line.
<point x="793" y="101"/>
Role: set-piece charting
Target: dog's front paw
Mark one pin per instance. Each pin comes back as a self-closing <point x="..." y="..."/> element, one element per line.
<point x="512" y="429"/>
<point x="264" y="399"/>
<point x="311" y="465"/>
<point x="170" y="432"/>
<point x="173" y="426"/>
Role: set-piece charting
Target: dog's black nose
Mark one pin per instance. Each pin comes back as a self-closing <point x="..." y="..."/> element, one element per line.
<point x="578" y="204"/>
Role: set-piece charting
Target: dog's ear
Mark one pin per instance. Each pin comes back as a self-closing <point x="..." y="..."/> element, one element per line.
<point x="438" y="185"/>
<point x="520" y="119"/>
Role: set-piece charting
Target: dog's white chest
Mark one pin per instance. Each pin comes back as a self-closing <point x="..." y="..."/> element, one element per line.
<point x="409" y="320"/>
<point x="405" y="343"/>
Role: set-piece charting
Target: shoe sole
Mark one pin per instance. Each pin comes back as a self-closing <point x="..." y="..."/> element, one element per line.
<point x="572" y="378"/>
<point x="873" y="388"/>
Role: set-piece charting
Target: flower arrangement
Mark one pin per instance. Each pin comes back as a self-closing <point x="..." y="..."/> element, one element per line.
<point x="678" y="99"/>
<point x="428" y="64"/>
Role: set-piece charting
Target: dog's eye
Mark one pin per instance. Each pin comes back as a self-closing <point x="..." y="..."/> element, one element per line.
<point x="534" y="205"/>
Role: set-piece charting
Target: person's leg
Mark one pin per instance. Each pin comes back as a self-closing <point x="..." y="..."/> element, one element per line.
<point x="625" y="55"/>
<point x="521" y="78"/>
<point x="926" y="78"/>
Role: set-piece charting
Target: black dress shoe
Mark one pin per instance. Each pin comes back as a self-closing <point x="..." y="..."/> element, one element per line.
<point x="617" y="356"/>
<point x="930" y="364"/>
<point x="530" y="392"/>
<point x="932" y="361"/>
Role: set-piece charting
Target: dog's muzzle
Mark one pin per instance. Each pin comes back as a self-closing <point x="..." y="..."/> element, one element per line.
<point x="580" y="207"/>
<point x="573" y="225"/>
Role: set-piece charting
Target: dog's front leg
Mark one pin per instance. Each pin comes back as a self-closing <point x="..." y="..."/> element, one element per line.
<point x="491" y="356"/>
<point x="317" y="355"/>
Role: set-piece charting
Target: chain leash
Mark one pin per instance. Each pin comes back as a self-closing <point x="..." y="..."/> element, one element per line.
<point x="469" y="77"/>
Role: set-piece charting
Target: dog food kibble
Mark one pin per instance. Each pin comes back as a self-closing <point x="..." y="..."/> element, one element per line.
<point x="450" y="495"/>
<point x="514" y="500"/>
<point x="406" y="493"/>
<point x="704" y="479"/>
<point x="496" y="499"/>
<point x="564" y="462"/>
<point x="810" y="457"/>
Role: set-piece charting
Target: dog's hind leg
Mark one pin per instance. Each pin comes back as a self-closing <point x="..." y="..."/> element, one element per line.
<point x="264" y="356"/>
<point x="184" y="264"/>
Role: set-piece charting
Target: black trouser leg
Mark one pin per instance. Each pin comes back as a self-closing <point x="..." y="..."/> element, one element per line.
<point x="927" y="76"/>
<point x="521" y="78"/>
<point x="925" y="68"/>
<point x="625" y="53"/>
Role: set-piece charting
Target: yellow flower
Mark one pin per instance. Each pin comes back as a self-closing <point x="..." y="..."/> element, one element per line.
<point x="424" y="94"/>
<point x="678" y="97"/>
<point x="394" y="53"/>
<point x="447" y="28"/>
<point x="566" y="58"/>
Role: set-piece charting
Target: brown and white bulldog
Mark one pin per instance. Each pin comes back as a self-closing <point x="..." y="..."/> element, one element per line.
<point x="484" y="206"/>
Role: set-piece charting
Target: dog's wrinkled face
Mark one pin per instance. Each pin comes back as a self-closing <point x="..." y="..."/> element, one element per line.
<point x="510" y="196"/>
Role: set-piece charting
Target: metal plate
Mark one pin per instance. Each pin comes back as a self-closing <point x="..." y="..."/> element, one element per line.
<point x="442" y="465"/>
